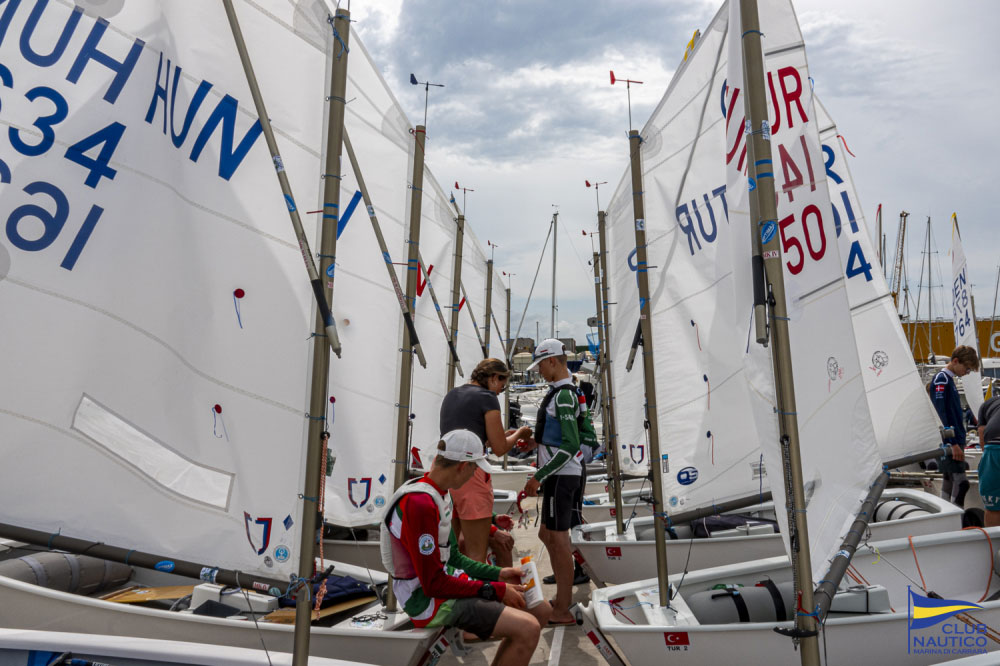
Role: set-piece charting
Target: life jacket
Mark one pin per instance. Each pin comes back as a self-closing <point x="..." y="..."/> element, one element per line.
<point x="444" y="523"/>
<point x="549" y="433"/>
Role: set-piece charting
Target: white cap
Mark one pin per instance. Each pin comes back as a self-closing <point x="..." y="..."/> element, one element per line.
<point x="547" y="349"/>
<point x="465" y="446"/>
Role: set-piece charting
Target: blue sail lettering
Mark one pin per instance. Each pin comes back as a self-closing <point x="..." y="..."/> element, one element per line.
<point x="122" y="68"/>
<point x="33" y="56"/>
<point x="170" y="103"/>
<point x="229" y="159"/>
<point x="697" y="234"/>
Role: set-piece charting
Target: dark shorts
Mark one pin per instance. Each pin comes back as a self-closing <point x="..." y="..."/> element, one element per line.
<point x="561" y="497"/>
<point x="949" y="466"/>
<point x="475" y="615"/>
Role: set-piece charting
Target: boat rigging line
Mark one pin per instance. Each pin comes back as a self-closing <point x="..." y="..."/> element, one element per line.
<point x="517" y="335"/>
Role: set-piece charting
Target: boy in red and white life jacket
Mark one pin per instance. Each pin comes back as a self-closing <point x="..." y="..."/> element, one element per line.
<point x="433" y="581"/>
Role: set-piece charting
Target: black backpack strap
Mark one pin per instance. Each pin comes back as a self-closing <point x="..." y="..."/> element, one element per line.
<point x="779" y="604"/>
<point x="741" y="605"/>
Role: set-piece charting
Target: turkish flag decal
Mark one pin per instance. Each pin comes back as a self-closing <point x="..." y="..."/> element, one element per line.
<point x="676" y="638"/>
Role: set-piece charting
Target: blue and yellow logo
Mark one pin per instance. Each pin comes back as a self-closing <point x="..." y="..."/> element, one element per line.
<point x="965" y="636"/>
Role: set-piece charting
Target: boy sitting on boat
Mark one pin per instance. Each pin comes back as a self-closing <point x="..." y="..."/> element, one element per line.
<point x="433" y="581"/>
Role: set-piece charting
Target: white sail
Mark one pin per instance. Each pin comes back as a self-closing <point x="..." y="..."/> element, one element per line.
<point x="365" y="381"/>
<point x="704" y="409"/>
<point x="963" y="316"/>
<point x="156" y="310"/>
<point x="904" y="419"/>
<point x="839" y="454"/>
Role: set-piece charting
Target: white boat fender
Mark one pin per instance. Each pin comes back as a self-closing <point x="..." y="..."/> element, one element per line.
<point x="76" y="574"/>
<point x="764" y="602"/>
<point x="894" y="509"/>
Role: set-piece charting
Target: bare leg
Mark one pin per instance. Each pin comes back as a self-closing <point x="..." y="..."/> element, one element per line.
<point x="477" y="538"/>
<point x="992" y="518"/>
<point x="520" y="632"/>
<point x="558" y="545"/>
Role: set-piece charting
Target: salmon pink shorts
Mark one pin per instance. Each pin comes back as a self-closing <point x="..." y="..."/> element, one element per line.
<point x="474" y="500"/>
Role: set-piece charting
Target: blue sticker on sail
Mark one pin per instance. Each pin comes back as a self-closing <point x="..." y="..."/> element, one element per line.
<point x="687" y="476"/>
<point x="164" y="565"/>
<point x="281" y="553"/>
<point x="767" y="231"/>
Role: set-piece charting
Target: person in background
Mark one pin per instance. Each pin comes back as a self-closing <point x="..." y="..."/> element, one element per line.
<point x="434" y="583"/>
<point x="475" y="407"/>
<point x="944" y="395"/>
<point x="561" y="417"/>
<point x="989" y="464"/>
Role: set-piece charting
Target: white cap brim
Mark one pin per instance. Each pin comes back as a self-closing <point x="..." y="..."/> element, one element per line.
<point x="484" y="465"/>
<point x="534" y="364"/>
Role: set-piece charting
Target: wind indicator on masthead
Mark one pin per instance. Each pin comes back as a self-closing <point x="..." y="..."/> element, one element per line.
<point x="628" y="90"/>
<point x="427" y="91"/>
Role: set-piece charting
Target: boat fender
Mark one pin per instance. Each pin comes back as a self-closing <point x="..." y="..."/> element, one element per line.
<point x="748" y="604"/>
<point x="894" y="509"/>
<point x="76" y="574"/>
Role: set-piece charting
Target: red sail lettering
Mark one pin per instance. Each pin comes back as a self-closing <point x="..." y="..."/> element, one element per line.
<point x="788" y="165"/>
<point x="792" y="95"/>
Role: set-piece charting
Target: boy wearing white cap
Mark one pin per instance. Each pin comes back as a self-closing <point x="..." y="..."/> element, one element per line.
<point x="433" y="581"/>
<point x="563" y="425"/>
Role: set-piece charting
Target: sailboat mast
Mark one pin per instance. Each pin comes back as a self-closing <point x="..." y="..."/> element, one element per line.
<point x="406" y="359"/>
<point x="506" y="388"/>
<point x="489" y="308"/>
<point x="761" y="166"/>
<point x="930" y="294"/>
<point x="614" y="495"/>
<point x="319" y="389"/>
<point x="329" y="327"/>
<point x="456" y="286"/>
<point x="996" y="290"/>
<point x="610" y="420"/>
<point x="555" y="235"/>
<point x="648" y="368"/>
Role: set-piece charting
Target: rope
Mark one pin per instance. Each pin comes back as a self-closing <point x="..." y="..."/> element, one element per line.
<point x="321" y="505"/>
<point x="989" y="568"/>
<point x="923" y="584"/>
<point x="253" y="616"/>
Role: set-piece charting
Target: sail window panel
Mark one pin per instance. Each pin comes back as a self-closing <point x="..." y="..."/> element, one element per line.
<point x="161" y="464"/>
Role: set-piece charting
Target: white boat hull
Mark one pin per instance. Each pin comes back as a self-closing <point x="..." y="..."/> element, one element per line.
<point x="954" y="565"/>
<point x="25" y="606"/>
<point x="598" y="507"/>
<point x="19" y="646"/>
<point x="513" y="478"/>
<point x="614" y="559"/>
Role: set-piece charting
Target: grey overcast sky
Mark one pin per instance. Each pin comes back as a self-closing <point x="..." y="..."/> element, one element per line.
<point x="528" y="113"/>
